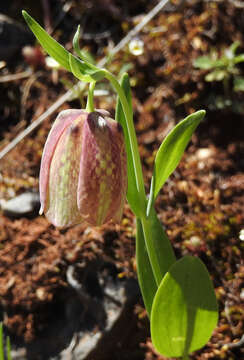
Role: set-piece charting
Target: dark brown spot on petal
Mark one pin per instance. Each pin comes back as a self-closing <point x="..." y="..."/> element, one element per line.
<point x="92" y="120"/>
<point x="75" y="130"/>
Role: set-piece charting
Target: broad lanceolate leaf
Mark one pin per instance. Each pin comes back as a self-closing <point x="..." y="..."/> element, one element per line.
<point x="145" y="275"/>
<point x="184" y="311"/>
<point x="132" y="193"/>
<point x="172" y="148"/>
<point x="82" y="70"/>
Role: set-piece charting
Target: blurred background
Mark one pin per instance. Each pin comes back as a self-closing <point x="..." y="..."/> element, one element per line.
<point x="73" y="294"/>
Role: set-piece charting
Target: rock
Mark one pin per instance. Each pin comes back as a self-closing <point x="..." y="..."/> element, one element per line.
<point x="26" y="204"/>
<point x="13" y="36"/>
<point x="119" y="321"/>
<point x="92" y="318"/>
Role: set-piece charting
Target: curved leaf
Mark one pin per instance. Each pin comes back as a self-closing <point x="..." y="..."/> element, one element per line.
<point x="84" y="55"/>
<point x="184" y="311"/>
<point x="83" y="72"/>
<point x="172" y="149"/>
<point x="52" y="47"/>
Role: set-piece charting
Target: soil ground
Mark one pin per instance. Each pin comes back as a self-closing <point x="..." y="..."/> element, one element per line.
<point x="201" y="205"/>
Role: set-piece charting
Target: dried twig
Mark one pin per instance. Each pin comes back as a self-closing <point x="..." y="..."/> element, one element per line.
<point x="236" y="344"/>
<point x="68" y="94"/>
<point x="14" y="77"/>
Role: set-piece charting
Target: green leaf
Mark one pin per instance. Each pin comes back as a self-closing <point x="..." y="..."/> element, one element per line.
<point x="9" y="357"/>
<point x="239" y="58"/>
<point x="84" y="55"/>
<point x="132" y="192"/>
<point x="83" y="72"/>
<point x="238" y="83"/>
<point x="172" y="148"/>
<point x="1" y="342"/>
<point x="216" y="75"/>
<point x="145" y="275"/>
<point x="159" y="248"/>
<point x="233" y="47"/>
<point x="184" y="311"/>
<point x="204" y="62"/>
<point x="52" y="47"/>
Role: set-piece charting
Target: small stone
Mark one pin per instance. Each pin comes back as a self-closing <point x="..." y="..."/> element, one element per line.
<point x="242" y="294"/>
<point x="26" y="204"/>
<point x="195" y="241"/>
<point x="41" y="294"/>
<point x="204" y="153"/>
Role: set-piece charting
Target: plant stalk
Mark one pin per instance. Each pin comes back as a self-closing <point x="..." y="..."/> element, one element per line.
<point x="90" y="103"/>
<point x="132" y="135"/>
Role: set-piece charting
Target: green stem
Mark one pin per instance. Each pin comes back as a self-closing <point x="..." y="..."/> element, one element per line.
<point x="159" y="248"/>
<point x="132" y="135"/>
<point x="90" y="104"/>
<point x="185" y="357"/>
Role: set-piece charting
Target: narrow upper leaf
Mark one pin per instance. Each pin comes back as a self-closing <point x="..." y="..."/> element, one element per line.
<point x="84" y="55"/>
<point x="52" y="47"/>
<point x="172" y="148"/>
<point x="82" y="70"/>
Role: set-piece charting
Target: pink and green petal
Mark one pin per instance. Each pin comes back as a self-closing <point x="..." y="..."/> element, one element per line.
<point x="101" y="190"/>
<point x="64" y="120"/>
<point x="61" y="205"/>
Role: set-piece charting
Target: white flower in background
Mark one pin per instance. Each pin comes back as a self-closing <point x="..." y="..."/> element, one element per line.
<point x="136" y="47"/>
<point x="241" y="235"/>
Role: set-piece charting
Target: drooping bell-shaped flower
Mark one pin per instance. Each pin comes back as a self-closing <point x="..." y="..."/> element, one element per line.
<point x="83" y="174"/>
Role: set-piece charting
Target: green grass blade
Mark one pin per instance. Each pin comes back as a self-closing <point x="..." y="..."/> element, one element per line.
<point x="173" y="147"/>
